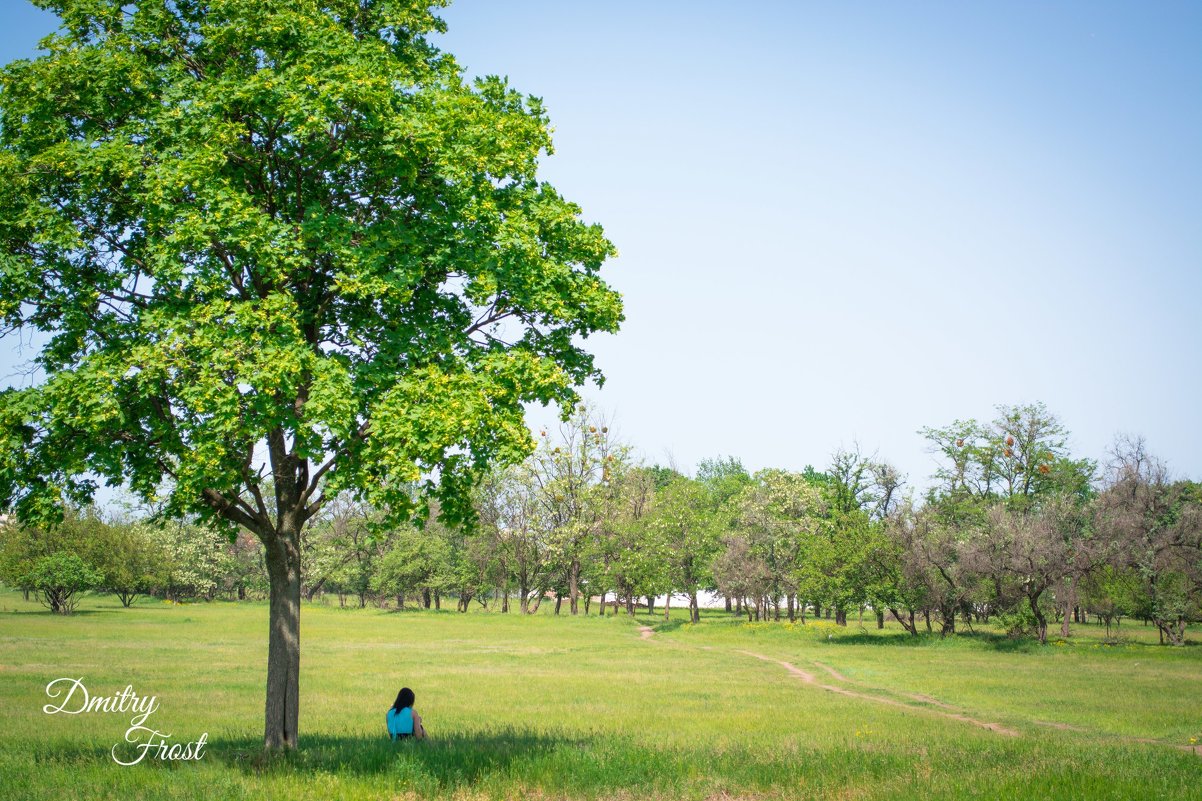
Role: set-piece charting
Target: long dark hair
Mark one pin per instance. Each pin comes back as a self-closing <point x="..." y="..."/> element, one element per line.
<point x="404" y="698"/>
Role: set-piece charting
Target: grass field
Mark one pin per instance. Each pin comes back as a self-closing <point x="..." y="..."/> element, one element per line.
<point x="558" y="707"/>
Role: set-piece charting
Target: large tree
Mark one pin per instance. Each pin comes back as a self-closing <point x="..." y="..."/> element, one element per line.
<point x="278" y="249"/>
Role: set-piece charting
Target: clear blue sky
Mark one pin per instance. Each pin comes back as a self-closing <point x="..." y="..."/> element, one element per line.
<point x="841" y="222"/>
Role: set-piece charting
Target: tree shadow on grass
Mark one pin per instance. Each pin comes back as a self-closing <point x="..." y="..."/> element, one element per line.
<point x="446" y="759"/>
<point x="997" y="642"/>
<point x="985" y="639"/>
<point x="508" y="762"/>
<point x="664" y="626"/>
<point x="57" y="616"/>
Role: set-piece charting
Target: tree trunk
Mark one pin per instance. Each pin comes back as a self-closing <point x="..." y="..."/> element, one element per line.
<point x="880" y="619"/>
<point x="695" y="611"/>
<point x="437" y="600"/>
<point x="651" y="604"/>
<point x="601" y="608"/>
<point x="282" y="711"/>
<point x="426" y="599"/>
<point x="558" y="601"/>
<point x="947" y="618"/>
<point x="1041" y="622"/>
<point x="573" y="587"/>
<point x="727" y="599"/>
<point x="1171" y="630"/>
<point x="910" y="627"/>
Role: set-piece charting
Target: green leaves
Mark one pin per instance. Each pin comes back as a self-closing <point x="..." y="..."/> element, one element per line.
<point x="280" y="231"/>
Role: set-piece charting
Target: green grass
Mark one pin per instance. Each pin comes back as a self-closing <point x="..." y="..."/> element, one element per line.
<point x="560" y="707"/>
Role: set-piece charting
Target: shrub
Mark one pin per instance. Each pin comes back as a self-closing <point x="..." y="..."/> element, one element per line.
<point x="59" y="577"/>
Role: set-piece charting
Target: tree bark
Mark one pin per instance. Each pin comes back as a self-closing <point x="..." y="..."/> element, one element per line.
<point x="573" y="587"/>
<point x="1041" y="622"/>
<point x="282" y="711"/>
<point x="695" y="611"/>
<point x="910" y="626"/>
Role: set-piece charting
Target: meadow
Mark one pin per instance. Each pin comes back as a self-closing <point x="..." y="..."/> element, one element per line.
<point x="546" y="707"/>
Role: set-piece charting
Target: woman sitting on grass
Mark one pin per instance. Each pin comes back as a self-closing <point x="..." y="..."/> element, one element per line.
<point x="402" y="720"/>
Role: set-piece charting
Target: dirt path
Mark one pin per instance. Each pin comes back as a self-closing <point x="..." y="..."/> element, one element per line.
<point x="836" y="675"/>
<point x="927" y="704"/>
<point x="1051" y="724"/>
<point x="926" y="699"/>
<point x="809" y="678"/>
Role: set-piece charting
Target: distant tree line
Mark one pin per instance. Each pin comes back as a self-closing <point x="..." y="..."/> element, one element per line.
<point x="1014" y="530"/>
<point x="127" y="558"/>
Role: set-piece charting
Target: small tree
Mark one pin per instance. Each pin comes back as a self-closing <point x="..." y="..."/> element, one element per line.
<point x="195" y="558"/>
<point x="131" y="561"/>
<point x="1158" y="523"/>
<point x="414" y="563"/>
<point x="741" y="573"/>
<point x="34" y="558"/>
<point x="690" y="535"/>
<point x="59" y="577"/>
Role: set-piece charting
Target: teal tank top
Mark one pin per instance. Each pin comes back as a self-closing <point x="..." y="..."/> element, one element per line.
<point x="400" y="722"/>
